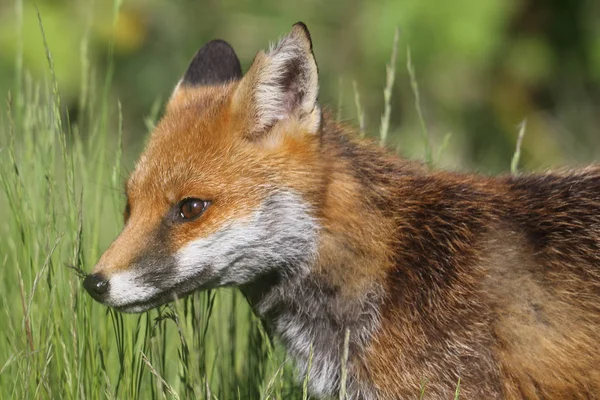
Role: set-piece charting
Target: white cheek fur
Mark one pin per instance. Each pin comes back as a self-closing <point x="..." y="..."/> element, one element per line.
<point x="282" y="233"/>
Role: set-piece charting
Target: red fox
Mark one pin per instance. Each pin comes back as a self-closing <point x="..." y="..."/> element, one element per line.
<point x="437" y="276"/>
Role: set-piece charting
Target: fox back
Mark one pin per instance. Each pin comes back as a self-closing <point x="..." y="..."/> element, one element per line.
<point x="436" y="277"/>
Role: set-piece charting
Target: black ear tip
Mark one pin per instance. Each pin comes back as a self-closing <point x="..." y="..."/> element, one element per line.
<point x="217" y="45"/>
<point x="215" y="63"/>
<point x="301" y="26"/>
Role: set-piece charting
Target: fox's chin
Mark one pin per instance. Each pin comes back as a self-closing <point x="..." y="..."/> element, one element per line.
<point x="131" y="305"/>
<point x="127" y="293"/>
<point x="137" y="308"/>
<point x="157" y="300"/>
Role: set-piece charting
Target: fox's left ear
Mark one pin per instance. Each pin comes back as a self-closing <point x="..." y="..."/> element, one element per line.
<point x="281" y="84"/>
<point x="214" y="64"/>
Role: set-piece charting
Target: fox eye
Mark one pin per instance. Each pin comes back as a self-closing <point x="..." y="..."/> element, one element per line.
<point x="190" y="209"/>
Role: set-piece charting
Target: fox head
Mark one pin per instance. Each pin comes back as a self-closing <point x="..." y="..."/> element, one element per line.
<point x="226" y="190"/>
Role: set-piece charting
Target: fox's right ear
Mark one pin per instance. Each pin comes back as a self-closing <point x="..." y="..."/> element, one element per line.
<point x="281" y="84"/>
<point x="214" y="64"/>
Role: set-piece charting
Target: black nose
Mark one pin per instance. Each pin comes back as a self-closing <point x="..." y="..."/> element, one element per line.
<point x="96" y="285"/>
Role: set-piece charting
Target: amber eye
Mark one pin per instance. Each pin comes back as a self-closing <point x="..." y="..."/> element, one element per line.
<point x="191" y="208"/>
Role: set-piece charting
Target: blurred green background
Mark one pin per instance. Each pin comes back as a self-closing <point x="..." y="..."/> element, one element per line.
<point x="482" y="66"/>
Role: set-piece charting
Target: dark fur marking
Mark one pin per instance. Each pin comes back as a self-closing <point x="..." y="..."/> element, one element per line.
<point x="215" y="63"/>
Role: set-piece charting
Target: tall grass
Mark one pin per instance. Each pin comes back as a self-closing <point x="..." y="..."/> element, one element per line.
<point x="61" y="201"/>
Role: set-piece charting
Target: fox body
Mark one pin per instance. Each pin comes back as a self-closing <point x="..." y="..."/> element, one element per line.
<point x="436" y="276"/>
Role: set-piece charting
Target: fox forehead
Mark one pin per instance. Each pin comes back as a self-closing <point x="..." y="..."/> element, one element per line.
<point x="196" y="151"/>
<point x="200" y="149"/>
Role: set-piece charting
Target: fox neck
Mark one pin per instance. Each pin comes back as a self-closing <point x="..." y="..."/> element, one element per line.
<point x="312" y="318"/>
<point x="341" y="292"/>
